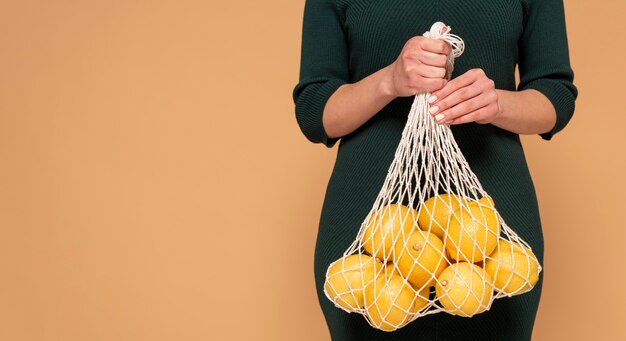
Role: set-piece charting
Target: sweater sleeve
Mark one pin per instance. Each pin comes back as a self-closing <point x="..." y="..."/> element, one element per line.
<point x="323" y="67"/>
<point x="544" y="59"/>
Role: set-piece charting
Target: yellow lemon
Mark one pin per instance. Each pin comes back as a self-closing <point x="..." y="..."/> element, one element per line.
<point x="390" y="302"/>
<point x="473" y="233"/>
<point x="346" y="278"/>
<point x="514" y="268"/>
<point x="434" y="215"/>
<point x="464" y="289"/>
<point x="420" y="258"/>
<point x="487" y="200"/>
<point x="385" y="227"/>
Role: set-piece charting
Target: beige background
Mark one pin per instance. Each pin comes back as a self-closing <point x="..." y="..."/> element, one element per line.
<point x="154" y="184"/>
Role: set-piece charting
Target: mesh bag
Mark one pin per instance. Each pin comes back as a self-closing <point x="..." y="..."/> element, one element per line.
<point x="433" y="240"/>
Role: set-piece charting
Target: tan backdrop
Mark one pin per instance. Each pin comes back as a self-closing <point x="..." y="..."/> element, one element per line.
<point x="154" y="184"/>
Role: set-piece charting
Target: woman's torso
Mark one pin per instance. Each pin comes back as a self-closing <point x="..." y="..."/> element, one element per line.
<point x="376" y="32"/>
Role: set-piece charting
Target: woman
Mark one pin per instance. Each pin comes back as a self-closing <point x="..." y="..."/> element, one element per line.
<point x="362" y="62"/>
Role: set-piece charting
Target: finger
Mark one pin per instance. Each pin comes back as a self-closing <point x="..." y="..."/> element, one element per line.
<point x="459" y="96"/>
<point x="463" y="108"/>
<point x="475" y="116"/>
<point x="452" y="86"/>
<point x="432" y="59"/>
<point x="431" y="71"/>
<point x="436" y="46"/>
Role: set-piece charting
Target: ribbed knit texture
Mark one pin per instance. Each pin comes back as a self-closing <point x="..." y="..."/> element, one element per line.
<point x="344" y="41"/>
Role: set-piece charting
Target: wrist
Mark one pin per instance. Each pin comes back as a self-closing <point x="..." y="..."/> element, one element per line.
<point x="386" y="86"/>
<point x="501" y="113"/>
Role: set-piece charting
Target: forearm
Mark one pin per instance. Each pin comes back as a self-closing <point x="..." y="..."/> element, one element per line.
<point x="524" y="112"/>
<point x="351" y="105"/>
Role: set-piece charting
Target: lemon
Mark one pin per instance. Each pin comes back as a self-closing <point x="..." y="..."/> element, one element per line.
<point x="346" y="278"/>
<point x="384" y="228"/>
<point x="464" y="289"/>
<point x="514" y="268"/>
<point x="434" y="215"/>
<point x="420" y="258"/>
<point x="390" y="302"/>
<point x="487" y="200"/>
<point x="473" y="233"/>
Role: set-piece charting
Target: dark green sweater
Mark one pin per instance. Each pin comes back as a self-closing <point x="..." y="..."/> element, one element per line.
<point x="344" y="41"/>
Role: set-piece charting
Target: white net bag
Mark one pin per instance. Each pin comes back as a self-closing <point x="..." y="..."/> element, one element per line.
<point x="433" y="240"/>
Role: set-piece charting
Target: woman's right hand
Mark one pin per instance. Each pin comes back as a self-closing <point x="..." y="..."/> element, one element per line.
<point x="421" y="66"/>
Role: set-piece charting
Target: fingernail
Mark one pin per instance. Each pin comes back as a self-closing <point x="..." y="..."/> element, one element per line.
<point x="434" y="109"/>
<point x="439" y="117"/>
<point x="432" y="99"/>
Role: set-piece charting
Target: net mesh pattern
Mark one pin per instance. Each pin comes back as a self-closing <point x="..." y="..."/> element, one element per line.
<point x="434" y="240"/>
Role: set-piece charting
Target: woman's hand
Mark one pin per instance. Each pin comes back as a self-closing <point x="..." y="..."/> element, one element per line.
<point x="421" y="66"/>
<point x="471" y="97"/>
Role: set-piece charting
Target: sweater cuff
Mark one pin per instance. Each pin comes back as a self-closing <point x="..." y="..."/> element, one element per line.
<point x="561" y="98"/>
<point x="311" y="109"/>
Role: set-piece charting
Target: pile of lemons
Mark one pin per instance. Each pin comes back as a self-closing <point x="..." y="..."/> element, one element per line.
<point x="452" y="245"/>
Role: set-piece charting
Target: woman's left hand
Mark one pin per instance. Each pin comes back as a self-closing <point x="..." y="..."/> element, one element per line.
<point x="471" y="97"/>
